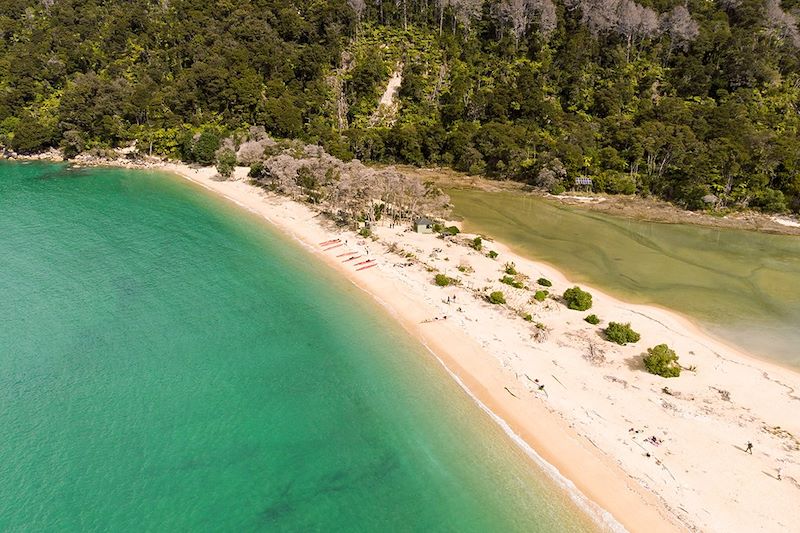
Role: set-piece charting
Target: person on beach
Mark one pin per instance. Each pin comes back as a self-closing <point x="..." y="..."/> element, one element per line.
<point x="780" y="471"/>
<point x="749" y="448"/>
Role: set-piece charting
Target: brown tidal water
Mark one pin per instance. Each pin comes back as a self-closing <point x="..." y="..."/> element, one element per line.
<point x="741" y="286"/>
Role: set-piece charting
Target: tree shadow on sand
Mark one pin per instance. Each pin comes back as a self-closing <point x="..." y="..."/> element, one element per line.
<point x="636" y="363"/>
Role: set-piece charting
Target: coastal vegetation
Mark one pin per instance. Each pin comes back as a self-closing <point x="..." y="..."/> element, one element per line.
<point x="592" y="319"/>
<point x="442" y="280"/>
<point x="540" y="295"/>
<point x="510" y="280"/>
<point x="621" y="334"/>
<point x="497" y="297"/>
<point x="544" y="282"/>
<point x="662" y="361"/>
<point x="577" y="299"/>
<point x="695" y="102"/>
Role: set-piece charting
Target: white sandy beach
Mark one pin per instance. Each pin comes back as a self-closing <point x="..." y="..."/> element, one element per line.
<point x="600" y="405"/>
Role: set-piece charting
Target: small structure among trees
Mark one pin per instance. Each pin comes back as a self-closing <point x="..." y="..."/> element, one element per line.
<point x="423" y="225"/>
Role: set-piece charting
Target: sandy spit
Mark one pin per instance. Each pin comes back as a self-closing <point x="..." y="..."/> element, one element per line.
<point x="656" y="454"/>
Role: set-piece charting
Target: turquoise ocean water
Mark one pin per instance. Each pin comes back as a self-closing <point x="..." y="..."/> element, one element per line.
<point x="169" y="363"/>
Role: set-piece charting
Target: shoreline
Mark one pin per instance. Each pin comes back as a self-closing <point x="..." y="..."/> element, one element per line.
<point x="693" y="324"/>
<point x="641" y="508"/>
<point x="593" y="469"/>
<point x="699" y="478"/>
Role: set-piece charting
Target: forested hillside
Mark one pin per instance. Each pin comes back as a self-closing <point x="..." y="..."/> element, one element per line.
<point x="681" y="99"/>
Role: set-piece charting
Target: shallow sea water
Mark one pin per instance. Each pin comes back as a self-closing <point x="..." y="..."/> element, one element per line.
<point x="742" y="286"/>
<point x="170" y="363"/>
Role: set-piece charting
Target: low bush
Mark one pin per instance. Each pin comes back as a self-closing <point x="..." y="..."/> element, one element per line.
<point x="544" y="282"/>
<point x="577" y="299"/>
<point x="511" y="269"/>
<point x="662" y="361"/>
<point x="497" y="297"/>
<point x="621" y="333"/>
<point x="226" y="163"/>
<point x="256" y="170"/>
<point x="492" y="254"/>
<point x="540" y="295"/>
<point x="450" y="230"/>
<point x="442" y="281"/>
<point x="365" y="232"/>
<point x="477" y="243"/>
<point x="592" y="319"/>
<point x="527" y="317"/>
<point x="508" y="280"/>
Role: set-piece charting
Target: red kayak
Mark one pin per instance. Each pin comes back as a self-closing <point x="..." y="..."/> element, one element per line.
<point x="365" y="262"/>
<point x="366" y="267"/>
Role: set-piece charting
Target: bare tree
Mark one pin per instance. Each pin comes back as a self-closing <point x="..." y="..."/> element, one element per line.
<point x="622" y="17"/>
<point x="516" y="14"/>
<point x="404" y="5"/>
<point x="680" y="27"/>
<point x="442" y="5"/>
<point x="358" y="6"/>
<point x="465" y="11"/>
<point x="548" y="19"/>
<point x="780" y="24"/>
<point x="600" y="16"/>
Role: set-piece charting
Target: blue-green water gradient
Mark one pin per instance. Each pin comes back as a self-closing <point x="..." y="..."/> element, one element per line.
<point x="168" y="363"/>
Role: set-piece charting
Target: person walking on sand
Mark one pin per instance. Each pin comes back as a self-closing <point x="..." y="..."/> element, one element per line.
<point x="749" y="448"/>
<point x="780" y="471"/>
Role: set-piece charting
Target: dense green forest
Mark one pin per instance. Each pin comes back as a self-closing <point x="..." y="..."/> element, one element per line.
<point x="678" y="98"/>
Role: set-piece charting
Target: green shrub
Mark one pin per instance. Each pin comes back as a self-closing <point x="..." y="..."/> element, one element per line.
<point x="365" y="232"/>
<point x="557" y="188"/>
<point x="450" y="230"/>
<point x="621" y="333"/>
<point x="508" y="280"/>
<point x="539" y="296"/>
<point x="477" y="243"/>
<point x="205" y="148"/>
<point x="256" y="170"/>
<point x="662" y="361"/>
<point x="592" y="319"/>
<point x="577" y="299"/>
<point x="544" y="282"/>
<point x="511" y="269"/>
<point x="226" y="162"/>
<point x="492" y="254"/>
<point x="442" y="281"/>
<point x="497" y="297"/>
<point x="527" y="317"/>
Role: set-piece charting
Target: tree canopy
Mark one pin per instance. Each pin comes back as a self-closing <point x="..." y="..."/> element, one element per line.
<point x="682" y="99"/>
